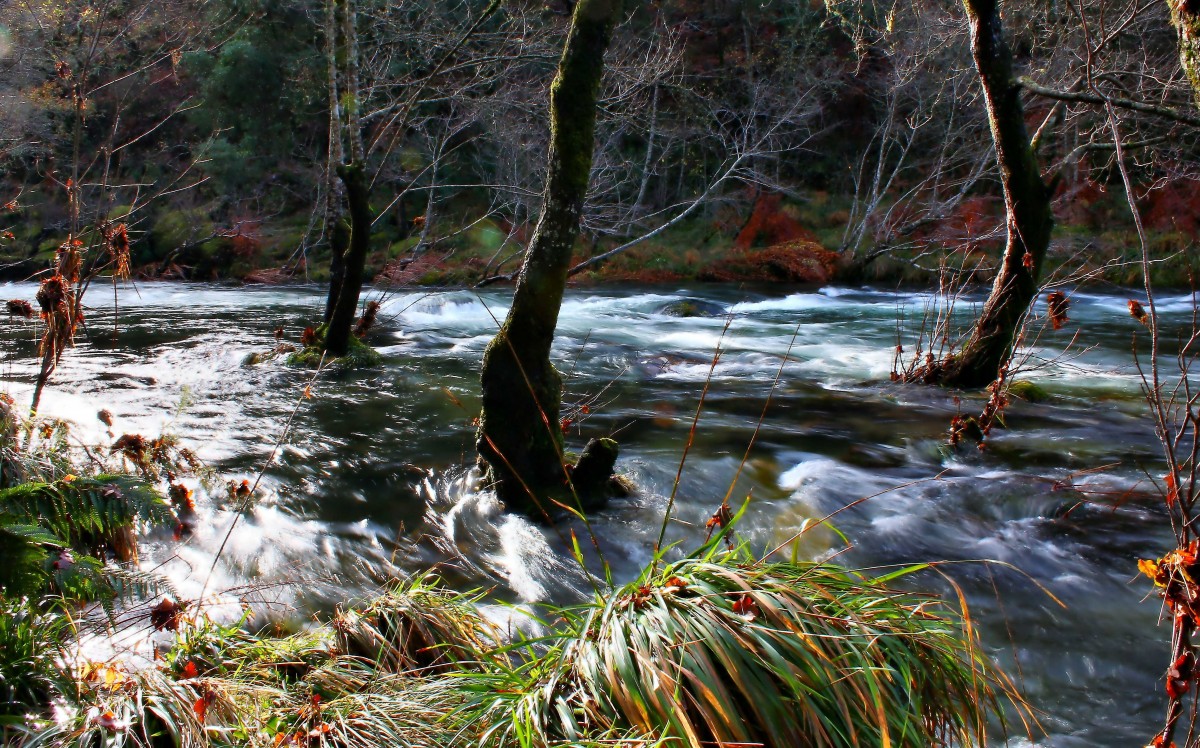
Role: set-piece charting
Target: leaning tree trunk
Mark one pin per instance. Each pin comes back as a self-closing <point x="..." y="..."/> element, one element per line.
<point x="1185" y="14"/>
<point x="1026" y="204"/>
<point x="520" y="442"/>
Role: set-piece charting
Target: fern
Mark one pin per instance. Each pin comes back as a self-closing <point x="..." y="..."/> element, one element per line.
<point x="25" y="552"/>
<point x="90" y="514"/>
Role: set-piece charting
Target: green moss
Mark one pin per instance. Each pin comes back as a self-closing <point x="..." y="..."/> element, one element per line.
<point x="485" y="236"/>
<point x="176" y="228"/>
<point x="1187" y="22"/>
<point x="402" y="247"/>
<point x="1028" y="391"/>
<point x="360" y="356"/>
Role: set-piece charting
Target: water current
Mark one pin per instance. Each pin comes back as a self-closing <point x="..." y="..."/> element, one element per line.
<point x="370" y="478"/>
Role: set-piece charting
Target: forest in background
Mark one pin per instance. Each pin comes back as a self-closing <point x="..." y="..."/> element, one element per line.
<point x="736" y="141"/>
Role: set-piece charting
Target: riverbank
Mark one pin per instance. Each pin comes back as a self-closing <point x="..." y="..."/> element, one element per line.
<point x="771" y="240"/>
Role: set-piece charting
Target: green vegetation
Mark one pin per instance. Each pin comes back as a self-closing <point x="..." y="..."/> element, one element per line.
<point x="721" y="648"/>
<point x="715" y="646"/>
<point x="312" y="355"/>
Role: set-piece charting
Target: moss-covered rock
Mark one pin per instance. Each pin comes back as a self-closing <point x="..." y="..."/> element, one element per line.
<point x="261" y="357"/>
<point x="692" y="308"/>
<point x="1028" y="391"/>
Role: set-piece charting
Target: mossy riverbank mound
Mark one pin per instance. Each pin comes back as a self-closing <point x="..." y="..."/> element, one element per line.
<point x="312" y="355"/>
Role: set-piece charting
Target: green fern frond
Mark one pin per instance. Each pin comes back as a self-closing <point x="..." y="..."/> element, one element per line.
<point x="89" y="514"/>
<point x="25" y="551"/>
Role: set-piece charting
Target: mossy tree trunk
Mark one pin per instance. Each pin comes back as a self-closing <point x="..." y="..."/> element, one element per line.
<point x="1185" y="14"/>
<point x="519" y="440"/>
<point x="341" y="320"/>
<point x="349" y="245"/>
<point x="337" y="231"/>
<point x="1027" y="206"/>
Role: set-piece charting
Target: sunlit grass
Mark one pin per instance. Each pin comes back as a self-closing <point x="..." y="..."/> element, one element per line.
<point x="711" y="651"/>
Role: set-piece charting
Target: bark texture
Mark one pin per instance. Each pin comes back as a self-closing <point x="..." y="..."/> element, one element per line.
<point x="1185" y="14"/>
<point x="349" y="256"/>
<point x="337" y="339"/>
<point x="1026" y="203"/>
<point x="519" y="441"/>
<point x="337" y="231"/>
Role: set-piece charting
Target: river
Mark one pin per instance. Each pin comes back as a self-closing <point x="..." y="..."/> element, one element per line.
<point x="370" y="477"/>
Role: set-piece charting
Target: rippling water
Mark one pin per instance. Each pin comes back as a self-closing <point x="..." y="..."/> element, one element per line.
<point x="371" y="479"/>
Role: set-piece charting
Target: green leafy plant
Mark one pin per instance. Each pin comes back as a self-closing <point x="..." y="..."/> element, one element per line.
<point x="31" y="643"/>
<point x="94" y="514"/>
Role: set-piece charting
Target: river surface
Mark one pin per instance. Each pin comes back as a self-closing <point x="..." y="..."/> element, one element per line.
<point x="369" y="478"/>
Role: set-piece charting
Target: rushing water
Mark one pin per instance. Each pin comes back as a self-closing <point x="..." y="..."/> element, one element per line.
<point x="370" y="478"/>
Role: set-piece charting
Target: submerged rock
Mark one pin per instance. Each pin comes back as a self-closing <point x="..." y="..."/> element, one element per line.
<point x="691" y="308"/>
<point x="592" y="476"/>
<point x="1028" y="391"/>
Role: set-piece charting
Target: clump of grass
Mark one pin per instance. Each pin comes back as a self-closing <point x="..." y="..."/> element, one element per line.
<point x="417" y="626"/>
<point x="704" y="651"/>
<point x="30" y="647"/>
<point x="710" y="651"/>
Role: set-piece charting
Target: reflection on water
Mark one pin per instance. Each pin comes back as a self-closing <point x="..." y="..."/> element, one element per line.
<point x="373" y="479"/>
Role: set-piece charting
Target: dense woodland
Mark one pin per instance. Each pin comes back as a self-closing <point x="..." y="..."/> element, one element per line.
<point x="849" y="140"/>
<point x="1010" y="154"/>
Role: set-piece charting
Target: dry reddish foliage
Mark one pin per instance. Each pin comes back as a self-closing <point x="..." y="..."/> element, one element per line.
<point x="797" y="261"/>
<point x="1174" y="207"/>
<point x="771" y="224"/>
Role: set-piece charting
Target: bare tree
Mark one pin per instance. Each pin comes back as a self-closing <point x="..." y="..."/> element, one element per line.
<point x="101" y="63"/>
<point x="519" y="442"/>
<point x="930" y="149"/>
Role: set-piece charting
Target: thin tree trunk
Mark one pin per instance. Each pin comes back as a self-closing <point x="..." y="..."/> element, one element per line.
<point x="354" y="178"/>
<point x="1027" y="206"/>
<point x="337" y="232"/>
<point x="337" y="334"/>
<point x="1185" y="14"/>
<point x="647" y="163"/>
<point x="519" y="440"/>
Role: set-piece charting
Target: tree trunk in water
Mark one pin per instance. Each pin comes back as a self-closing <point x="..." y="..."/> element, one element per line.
<point x="520" y="441"/>
<point x="337" y="233"/>
<point x="349" y="245"/>
<point x="337" y="335"/>
<point x="1026" y="203"/>
<point x="1185" y="14"/>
